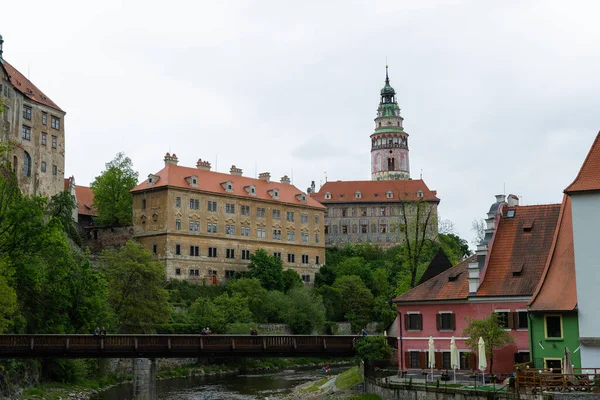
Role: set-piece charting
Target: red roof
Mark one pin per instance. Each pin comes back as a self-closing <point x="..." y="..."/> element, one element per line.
<point x="452" y="284"/>
<point x="85" y="199"/>
<point x="25" y="86"/>
<point x="521" y="246"/>
<point x="375" y="191"/>
<point x="210" y="181"/>
<point x="556" y="290"/>
<point x="588" y="178"/>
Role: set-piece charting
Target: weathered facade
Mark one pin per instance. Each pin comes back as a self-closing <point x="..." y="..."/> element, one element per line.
<point x="35" y="124"/>
<point x="204" y="225"/>
<point x="376" y="211"/>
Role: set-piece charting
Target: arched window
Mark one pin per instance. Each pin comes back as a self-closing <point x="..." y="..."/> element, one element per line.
<point x="27" y="164"/>
<point x="391" y="164"/>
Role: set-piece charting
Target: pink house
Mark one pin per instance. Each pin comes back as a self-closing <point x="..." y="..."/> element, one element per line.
<point x="500" y="278"/>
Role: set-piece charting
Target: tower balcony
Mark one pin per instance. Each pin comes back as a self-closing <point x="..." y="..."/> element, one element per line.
<point x="389" y="146"/>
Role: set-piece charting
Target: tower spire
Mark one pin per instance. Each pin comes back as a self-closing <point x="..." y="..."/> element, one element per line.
<point x="387" y="78"/>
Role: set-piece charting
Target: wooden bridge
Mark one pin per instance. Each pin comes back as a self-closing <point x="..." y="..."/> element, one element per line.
<point x="174" y="346"/>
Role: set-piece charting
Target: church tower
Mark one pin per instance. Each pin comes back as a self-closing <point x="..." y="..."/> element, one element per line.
<point x="389" y="142"/>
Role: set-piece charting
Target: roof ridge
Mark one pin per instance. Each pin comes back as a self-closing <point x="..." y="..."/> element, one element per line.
<point x="45" y="100"/>
<point x="551" y="252"/>
<point x="595" y="146"/>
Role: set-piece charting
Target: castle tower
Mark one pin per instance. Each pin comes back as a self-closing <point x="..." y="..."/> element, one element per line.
<point x="389" y="142"/>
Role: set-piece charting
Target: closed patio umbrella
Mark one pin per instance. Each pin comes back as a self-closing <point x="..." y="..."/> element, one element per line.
<point x="567" y="366"/>
<point x="453" y="356"/>
<point x="431" y="356"/>
<point x="482" y="359"/>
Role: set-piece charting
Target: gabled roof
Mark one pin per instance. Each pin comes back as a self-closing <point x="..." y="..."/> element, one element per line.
<point x="375" y="191"/>
<point x="25" y="86"/>
<point x="439" y="264"/>
<point x="451" y="284"/>
<point x="519" y="252"/>
<point x="85" y="200"/>
<point x="556" y="290"/>
<point x="209" y="181"/>
<point x="588" y="178"/>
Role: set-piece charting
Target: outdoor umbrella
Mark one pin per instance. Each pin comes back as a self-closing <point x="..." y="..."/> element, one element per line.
<point x="567" y="366"/>
<point x="431" y="356"/>
<point x="482" y="359"/>
<point x="453" y="356"/>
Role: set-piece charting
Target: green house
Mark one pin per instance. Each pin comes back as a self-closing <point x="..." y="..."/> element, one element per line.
<point x="552" y="311"/>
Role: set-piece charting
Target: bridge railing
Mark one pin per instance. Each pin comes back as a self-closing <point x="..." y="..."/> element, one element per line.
<point x="21" y="346"/>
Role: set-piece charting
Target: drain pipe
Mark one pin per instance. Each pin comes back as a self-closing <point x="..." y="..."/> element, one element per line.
<point x="531" y="358"/>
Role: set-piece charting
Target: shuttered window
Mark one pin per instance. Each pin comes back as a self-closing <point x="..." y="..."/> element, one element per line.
<point x="446" y="321"/>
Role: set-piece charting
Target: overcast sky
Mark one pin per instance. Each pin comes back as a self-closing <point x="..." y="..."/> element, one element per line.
<point x="494" y="94"/>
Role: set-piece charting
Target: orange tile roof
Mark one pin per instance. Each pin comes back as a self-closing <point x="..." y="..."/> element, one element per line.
<point x="515" y="248"/>
<point x="25" y="86"/>
<point x="210" y="181"/>
<point x="85" y="200"/>
<point x="374" y="191"/>
<point x="557" y="290"/>
<point x="451" y="284"/>
<point x="588" y="178"/>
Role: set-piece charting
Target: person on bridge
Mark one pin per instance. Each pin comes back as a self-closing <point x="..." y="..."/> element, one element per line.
<point x="103" y="331"/>
<point x="97" y="331"/>
<point x="253" y="332"/>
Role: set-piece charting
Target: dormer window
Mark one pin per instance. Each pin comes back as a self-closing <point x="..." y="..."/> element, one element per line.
<point x="420" y="194"/>
<point x="357" y="195"/>
<point x="152" y="179"/>
<point x="389" y="194"/>
<point x="327" y="196"/>
<point x="192" y="180"/>
<point x="251" y="190"/>
<point x="301" y="197"/>
<point x="274" y="193"/>
<point x="228" y="186"/>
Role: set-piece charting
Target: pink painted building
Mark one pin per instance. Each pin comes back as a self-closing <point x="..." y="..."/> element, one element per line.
<point x="500" y="278"/>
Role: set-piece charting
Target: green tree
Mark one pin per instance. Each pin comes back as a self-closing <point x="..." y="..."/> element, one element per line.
<point x="136" y="288"/>
<point x="275" y="304"/>
<point x="8" y="304"/>
<point x="291" y="279"/>
<point x="112" y="197"/>
<point x="493" y="335"/>
<point x="255" y="294"/>
<point x="383" y="311"/>
<point x="381" y="283"/>
<point x="373" y="348"/>
<point x="61" y="207"/>
<point x="305" y="311"/>
<point x="355" y="266"/>
<point x="206" y="314"/>
<point x="454" y="246"/>
<point x="356" y="300"/>
<point x="332" y="301"/>
<point x="234" y="308"/>
<point x="267" y="269"/>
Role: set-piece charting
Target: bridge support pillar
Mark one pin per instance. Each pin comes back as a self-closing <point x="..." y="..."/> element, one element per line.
<point x="144" y="379"/>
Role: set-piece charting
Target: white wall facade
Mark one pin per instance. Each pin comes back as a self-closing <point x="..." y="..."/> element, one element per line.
<point x="586" y="236"/>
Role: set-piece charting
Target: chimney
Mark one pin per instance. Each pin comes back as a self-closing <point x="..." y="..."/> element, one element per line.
<point x="500" y="198"/>
<point x="513" y="200"/>
<point x="235" y="171"/>
<point x="312" y="186"/>
<point x="265" y="176"/>
<point x="285" y="180"/>
<point x="171" y="159"/>
<point x="203" y="165"/>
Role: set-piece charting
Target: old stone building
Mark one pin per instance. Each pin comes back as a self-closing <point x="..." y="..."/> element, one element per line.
<point x="373" y="211"/>
<point x="381" y="210"/>
<point x="204" y="225"/>
<point x="35" y="125"/>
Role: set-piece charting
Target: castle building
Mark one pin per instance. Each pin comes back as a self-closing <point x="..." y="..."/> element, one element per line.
<point x="204" y="225"/>
<point x="36" y="126"/>
<point x="378" y="211"/>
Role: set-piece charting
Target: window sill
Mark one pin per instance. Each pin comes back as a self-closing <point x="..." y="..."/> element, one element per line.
<point x="555" y="339"/>
<point x="446" y="330"/>
<point x="413" y="330"/>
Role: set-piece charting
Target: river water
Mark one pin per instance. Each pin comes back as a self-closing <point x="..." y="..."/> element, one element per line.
<point x="232" y="387"/>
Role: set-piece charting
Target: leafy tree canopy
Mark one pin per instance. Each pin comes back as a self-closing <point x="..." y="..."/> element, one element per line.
<point x="255" y="294"/>
<point x="494" y="335"/>
<point x="112" y="197"/>
<point x="291" y="279"/>
<point x="136" y="288"/>
<point x="356" y="300"/>
<point x="267" y="269"/>
<point x="373" y="348"/>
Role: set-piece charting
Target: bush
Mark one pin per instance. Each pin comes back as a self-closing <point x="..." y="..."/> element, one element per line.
<point x="373" y="348"/>
<point x="239" y="328"/>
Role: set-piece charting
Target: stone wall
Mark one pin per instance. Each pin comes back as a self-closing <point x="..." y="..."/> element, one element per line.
<point x="275" y="329"/>
<point x="98" y="238"/>
<point x="124" y="366"/>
